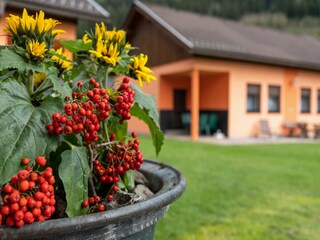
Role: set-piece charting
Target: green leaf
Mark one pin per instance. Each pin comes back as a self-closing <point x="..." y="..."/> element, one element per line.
<point x="146" y="110"/>
<point x="120" y="130"/>
<point x="60" y="87"/>
<point x="11" y="60"/>
<point x="22" y="127"/>
<point x="74" y="172"/>
<point x="75" y="46"/>
<point x="128" y="180"/>
<point x="146" y="102"/>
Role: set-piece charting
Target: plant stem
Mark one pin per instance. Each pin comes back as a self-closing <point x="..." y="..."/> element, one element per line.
<point x="43" y="87"/>
<point x="30" y="82"/>
<point x="91" y="170"/>
<point x="105" y="85"/>
<point x="105" y="144"/>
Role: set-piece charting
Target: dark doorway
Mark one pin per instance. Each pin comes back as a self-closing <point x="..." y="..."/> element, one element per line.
<point x="179" y="106"/>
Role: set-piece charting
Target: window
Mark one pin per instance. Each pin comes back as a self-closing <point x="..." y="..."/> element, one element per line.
<point x="318" y="101"/>
<point x="274" y="99"/>
<point x="253" y="98"/>
<point x="305" y="100"/>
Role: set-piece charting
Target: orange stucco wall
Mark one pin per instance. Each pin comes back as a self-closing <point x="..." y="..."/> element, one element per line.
<point x="214" y="91"/>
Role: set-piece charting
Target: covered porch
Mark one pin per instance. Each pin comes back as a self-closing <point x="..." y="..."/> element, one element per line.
<point x="193" y="99"/>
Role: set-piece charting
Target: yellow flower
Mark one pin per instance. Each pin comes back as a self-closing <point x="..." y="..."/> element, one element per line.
<point x="60" y="57"/>
<point x="28" y="27"/>
<point x="100" y="31"/>
<point x="86" y="39"/>
<point x="140" y="71"/>
<point x="108" y="53"/>
<point x="36" y="49"/>
<point x="118" y="36"/>
<point x="12" y="23"/>
<point x="40" y="21"/>
<point x="38" y="78"/>
<point x="127" y="47"/>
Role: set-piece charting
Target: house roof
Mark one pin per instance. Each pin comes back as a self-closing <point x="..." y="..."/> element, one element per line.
<point x="216" y="37"/>
<point x="77" y="9"/>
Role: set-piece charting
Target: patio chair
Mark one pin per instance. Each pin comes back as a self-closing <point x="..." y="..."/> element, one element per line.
<point x="213" y="122"/>
<point x="316" y="131"/>
<point x="303" y="130"/>
<point x="204" y="124"/>
<point x="264" y="129"/>
<point x="185" y="120"/>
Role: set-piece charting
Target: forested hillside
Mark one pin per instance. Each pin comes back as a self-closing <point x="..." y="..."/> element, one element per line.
<point x="299" y="16"/>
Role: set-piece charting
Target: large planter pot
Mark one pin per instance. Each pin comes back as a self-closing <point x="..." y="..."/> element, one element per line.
<point x="135" y="221"/>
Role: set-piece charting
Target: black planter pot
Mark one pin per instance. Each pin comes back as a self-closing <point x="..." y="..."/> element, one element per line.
<point x="135" y="221"/>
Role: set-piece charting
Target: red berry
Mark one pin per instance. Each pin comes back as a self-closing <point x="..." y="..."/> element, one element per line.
<point x="33" y="176"/>
<point x="96" y="98"/>
<point x="7" y="188"/>
<point x="14" y="180"/>
<point x="134" y="134"/>
<point x="80" y="84"/>
<point x="85" y="204"/>
<point x="41" y="161"/>
<point x="112" y="137"/>
<point x="14" y="207"/>
<point x="36" y="212"/>
<point x="23" y="174"/>
<point x="31" y="203"/>
<point x="39" y="196"/>
<point x="5" y="210"/>
<point x="23" y="202"/>
<point x="82" y="112"/>
<point x="92" y="80"/>
<point x="90" y="94"/>
<point x="19" y="223"/>
<point x="28" y="217"/>
<point x="31" y="185"/>
<point x="9" y="221"/>
<point x="109" y="198"/>
<point x="91" y="200"/>
<point x="97" y="199"/>
<point x="68" y="107"/>
<point x="24" y="186"/>
<point x="101" y="207"/>
<point x="126" y="80"/>
<point x="19" y="215"/>
<point x="68" y="130"/>
<point x="41" y="218"/>
<point x="63" y="119"/>
<point x="25" y="161"/>
<point x="14" y="197"/>
<point x="56" y="117"/>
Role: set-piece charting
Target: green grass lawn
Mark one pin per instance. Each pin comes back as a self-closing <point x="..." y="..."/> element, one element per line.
<point x="242" y="192"/>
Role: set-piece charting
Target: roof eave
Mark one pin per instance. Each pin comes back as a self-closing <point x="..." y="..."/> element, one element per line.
<point x="163" y="23"/>
<point x="254" y="58"/>
<point x="58" y="12"/>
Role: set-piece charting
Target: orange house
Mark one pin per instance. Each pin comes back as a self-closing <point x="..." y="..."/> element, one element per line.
<point x="233" y="73"/>
<point x="67" y="12"/>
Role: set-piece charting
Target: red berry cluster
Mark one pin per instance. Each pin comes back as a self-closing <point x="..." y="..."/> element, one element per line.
<point x="124" y="100"/>
<point x="119" y="159"/>
<point x="95" y="203"/>
<point x="29" y="196"/>
<point x="83" y="114"/>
